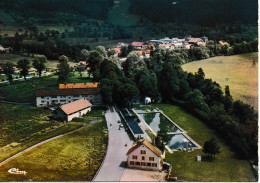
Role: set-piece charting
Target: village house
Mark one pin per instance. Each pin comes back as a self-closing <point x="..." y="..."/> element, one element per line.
<point x="45" y="98"/>
<point x="196" y="41"/>
<point x="144" y="155"/>
<point x="32" y="71"/>
<point x="223" y="43"/>
<point x="78" y="85"/>
<point x="72" y="110"/>
<point x="138" y="45"/>
<point x="81" y="66"/>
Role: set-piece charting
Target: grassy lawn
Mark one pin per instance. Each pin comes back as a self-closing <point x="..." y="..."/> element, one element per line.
<point x="22" y="127"/>
<point x="96" y="114"/>
<point x="226" y="167"/>
<point x="75" y="157"/>
<point x="237" y="71"/>
<point x="24" y="91"/>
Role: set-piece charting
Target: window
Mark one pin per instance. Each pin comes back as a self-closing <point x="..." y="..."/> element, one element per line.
<point x="143" y="163"/>
<point x="42" y="101"/>
<point x="63" y="96"/>
<point x="42" y="97"/>
<point x="143" y="158"/>
<point x="62" y="100"/>
<point x="134" y="157"/>
<point x="143" y="152"/>
<point x="148" y="164"/>
<point x="137" y="163"/>
<point x="132" y="163"/>
<point x="151" y="158"/>
<point x="154" y="164"/>
<point x="54" y="97"/>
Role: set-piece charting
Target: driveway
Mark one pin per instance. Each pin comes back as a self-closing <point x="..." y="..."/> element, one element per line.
<point x="114" y="163"/>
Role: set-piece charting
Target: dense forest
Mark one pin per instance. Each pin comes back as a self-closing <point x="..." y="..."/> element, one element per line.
<point x="91" y="8"/>
<point x="199" y="12"/>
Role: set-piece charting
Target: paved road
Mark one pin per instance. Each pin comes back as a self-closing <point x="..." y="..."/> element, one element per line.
<point x="112" y="168"/>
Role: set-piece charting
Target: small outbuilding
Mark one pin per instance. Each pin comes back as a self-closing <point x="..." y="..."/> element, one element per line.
<point x="72" y="110"/>
<point x="147" y="100"/>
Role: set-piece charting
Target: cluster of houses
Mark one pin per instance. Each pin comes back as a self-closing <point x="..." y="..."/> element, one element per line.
<point x="144" y="48"/>
<point x="31" y="71"/>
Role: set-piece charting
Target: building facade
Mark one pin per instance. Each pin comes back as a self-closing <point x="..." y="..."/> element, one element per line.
<point x="145" y="156"/>
<point x="46" y="98"/>
<point x="72" y="110"/>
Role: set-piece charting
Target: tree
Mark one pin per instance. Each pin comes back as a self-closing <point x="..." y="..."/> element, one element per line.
<point x="133" y="65"/>
<point x="200" y="73"/>
<point x="147" y="84"/>
<point x="8" y="71"/>
<point x="64" y="69"/>
<point x="84" y="54"/>
<point x="39" y="62"/>
<point x="94" y="61"/>
<point x="24" y="66"/>
<point x="211" y="147"/>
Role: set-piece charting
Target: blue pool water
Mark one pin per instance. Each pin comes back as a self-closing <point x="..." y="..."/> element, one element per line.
<point x="178" y="141"/>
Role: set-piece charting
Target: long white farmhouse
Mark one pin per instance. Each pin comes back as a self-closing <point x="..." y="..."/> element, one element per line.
<point x="46" y="98"/>
<point x="72" y="110"/>
<point x="144" y="155"/>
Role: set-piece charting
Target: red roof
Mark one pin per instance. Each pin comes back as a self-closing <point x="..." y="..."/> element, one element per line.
<point x="137" y="44"/>
<point x="145" y="142"/>
<point x="78" y="85"/>
<point x="118" y="50"/>
<point x="75" y="106"/>
<point x="194" y="40"/>
<point x="82" y="63"/>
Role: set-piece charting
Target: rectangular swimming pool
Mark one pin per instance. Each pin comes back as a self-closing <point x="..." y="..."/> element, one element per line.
<point x="158" y="122"/>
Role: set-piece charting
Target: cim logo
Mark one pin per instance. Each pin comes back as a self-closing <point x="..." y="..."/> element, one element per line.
<point x="16" y="171"/>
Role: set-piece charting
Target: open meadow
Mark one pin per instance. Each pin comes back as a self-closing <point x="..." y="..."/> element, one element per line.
<point x="74" y="157"/>
<point x="22" y="127"/>
<point x="240" y="72"/>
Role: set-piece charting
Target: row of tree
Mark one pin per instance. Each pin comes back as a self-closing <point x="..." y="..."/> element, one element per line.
<point x="38" y="62"/>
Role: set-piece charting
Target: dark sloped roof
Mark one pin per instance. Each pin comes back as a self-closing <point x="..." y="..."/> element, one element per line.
<point x="145" y="142"/>
<point x="87" y="91"/>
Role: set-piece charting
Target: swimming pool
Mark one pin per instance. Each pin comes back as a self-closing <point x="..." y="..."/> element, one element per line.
<point x="158" y="122"/>
<point x="179" y="141"/>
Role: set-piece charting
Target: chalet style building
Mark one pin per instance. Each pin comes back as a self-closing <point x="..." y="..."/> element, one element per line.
<point x="72" y="110"/>
<point x="144" y="155"/>
<point x="45" y="98"/>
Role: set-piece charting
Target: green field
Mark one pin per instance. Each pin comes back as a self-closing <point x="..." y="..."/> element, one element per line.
<point x="22" y="127"/>
<point x="75" y="157"/>
<point x="226" y="167"/>
<point x="237" y="71"/>
<point x="24" y="91"/>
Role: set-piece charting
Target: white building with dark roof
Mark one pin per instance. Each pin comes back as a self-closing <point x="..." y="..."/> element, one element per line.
<point x="45" y="98"/>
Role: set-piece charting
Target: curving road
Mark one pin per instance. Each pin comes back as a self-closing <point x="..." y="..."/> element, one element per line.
<point x="114" y="162"/>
